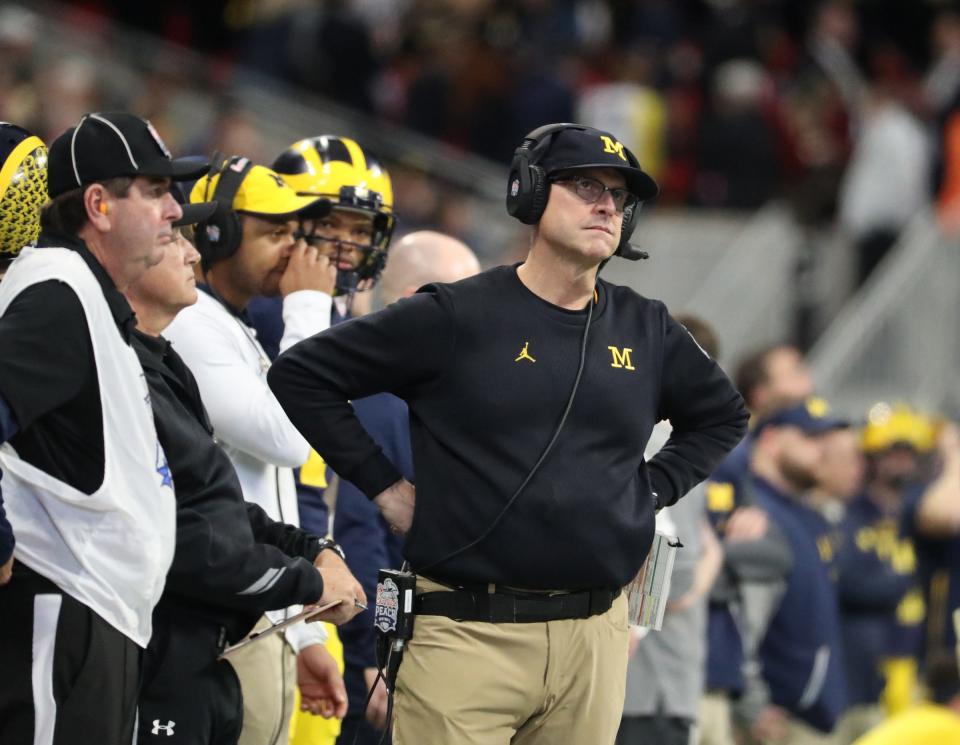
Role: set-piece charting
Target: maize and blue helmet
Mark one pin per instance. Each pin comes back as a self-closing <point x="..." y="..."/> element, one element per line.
<point x="23" y="188"/>
<point x="341" y="172"/>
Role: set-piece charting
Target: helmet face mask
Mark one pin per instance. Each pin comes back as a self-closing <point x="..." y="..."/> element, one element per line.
<point x="355" y="241"/>
<point x="339" y="170"/>
<point x="23" y="188"/>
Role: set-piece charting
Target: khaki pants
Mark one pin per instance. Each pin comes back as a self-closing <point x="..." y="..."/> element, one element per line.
<point x="798" y="733"/>
<point x="801" y="733"/>
<point x="268" y="678"/>
<point x="857" y="721"/>
<point x="714" y="725"/>
<point x="475" y="683"/>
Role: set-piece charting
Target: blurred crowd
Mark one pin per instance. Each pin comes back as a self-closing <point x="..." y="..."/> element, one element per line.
<point x="831" y="614"/>
<point x="828" y="611"/>
<point x="844" y="109"/>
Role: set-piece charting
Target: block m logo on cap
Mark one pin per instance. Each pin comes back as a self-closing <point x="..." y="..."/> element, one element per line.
<point x="610" y="145"/>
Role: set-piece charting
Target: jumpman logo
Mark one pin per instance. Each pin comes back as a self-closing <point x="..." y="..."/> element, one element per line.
<point x="524" y="354"/>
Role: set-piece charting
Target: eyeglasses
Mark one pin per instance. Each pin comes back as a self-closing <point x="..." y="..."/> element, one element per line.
<point x="591" y="190"/>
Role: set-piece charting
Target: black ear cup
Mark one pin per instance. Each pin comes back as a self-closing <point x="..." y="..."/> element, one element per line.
<point x="527" y="186"/>
<point x="518" y="184"/>
<point x="539" y="190"/>
<point x="220" y="236"/>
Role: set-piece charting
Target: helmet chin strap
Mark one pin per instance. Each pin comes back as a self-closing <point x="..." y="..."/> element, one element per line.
<point x="346" y="283"/>
<point x="347" y="280"/>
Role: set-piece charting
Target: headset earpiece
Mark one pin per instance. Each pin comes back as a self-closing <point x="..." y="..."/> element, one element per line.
<point x="527" y="186"/>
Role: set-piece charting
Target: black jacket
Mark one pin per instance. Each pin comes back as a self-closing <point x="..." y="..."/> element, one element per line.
<point x="232" y="562"/>
<point x="487" y="368"/>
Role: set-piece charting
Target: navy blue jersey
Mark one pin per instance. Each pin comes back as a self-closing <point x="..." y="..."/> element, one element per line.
<point x="801" y="654"/>
<point x="938" y="567"/>
<point x="725" y="493"/>
<point x="876" y="572"/>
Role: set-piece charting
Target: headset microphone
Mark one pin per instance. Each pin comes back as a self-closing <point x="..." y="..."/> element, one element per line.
<point x="630" y="253"/>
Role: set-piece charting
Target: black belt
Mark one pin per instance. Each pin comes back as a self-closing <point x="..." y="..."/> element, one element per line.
<point x="508" y="607"/>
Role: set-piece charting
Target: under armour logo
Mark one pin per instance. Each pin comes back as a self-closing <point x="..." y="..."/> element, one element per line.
<point x="165" y="728"/>
<point x="524" y="354"/>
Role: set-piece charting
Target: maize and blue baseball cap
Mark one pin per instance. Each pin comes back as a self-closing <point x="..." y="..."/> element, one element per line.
<point x="812" y="417"/>
<point x="262" y="193"/>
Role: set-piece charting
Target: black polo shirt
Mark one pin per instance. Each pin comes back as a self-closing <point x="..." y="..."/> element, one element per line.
<point x="48" y="374"/>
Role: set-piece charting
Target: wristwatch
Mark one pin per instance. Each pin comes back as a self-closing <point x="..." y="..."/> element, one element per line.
<point x="329" y="543"/>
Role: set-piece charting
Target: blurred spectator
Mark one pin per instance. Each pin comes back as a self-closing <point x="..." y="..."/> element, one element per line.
<point x="880" y="608"/>
<point x="797" y="694"/>
<point x="738" y="164"/>
<point x="630" y="105"/>
<point x="832" y="45"/>
<point x="933" y="516"/>
<point x="665" y="675"/>
<point x="820" y="100"/>
<point x="770" y="378"/>
<point x="887" y="181"/>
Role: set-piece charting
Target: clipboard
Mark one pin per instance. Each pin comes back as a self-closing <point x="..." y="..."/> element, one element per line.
<point x="308" y="612"/>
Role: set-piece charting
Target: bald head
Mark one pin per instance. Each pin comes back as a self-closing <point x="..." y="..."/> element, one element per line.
<point x="421" y="258"/>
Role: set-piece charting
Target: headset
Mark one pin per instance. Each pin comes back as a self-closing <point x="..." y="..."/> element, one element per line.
<point x="528" y="186"/>
<point x="219" y="237"/>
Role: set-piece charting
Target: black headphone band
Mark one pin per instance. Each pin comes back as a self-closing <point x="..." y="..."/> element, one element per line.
<point x="230" y="179"/>
<point x="220" y="235"/>
<point x="540" y="136"/>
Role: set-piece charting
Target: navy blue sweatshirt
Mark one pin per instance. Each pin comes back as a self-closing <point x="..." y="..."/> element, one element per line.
<point x="802" y="653"/>
<point x="486" y="368"/>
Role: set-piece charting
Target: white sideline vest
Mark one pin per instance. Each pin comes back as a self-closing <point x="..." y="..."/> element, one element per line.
<point x="111" y="549"/>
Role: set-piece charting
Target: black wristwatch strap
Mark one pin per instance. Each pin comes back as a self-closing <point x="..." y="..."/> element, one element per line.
<point x="329" y="543"/>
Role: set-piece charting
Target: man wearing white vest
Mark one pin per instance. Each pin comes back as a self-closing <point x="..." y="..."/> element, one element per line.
<point x="86" y="485"/>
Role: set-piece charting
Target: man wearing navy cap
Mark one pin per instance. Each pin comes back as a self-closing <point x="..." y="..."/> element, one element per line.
<point x="532" y="391"/>
<point x="797" y="691"/>
<point x="88" y="491"/>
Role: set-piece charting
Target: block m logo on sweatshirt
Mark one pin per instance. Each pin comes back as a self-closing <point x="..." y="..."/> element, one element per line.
<point x="621" y="358"/>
